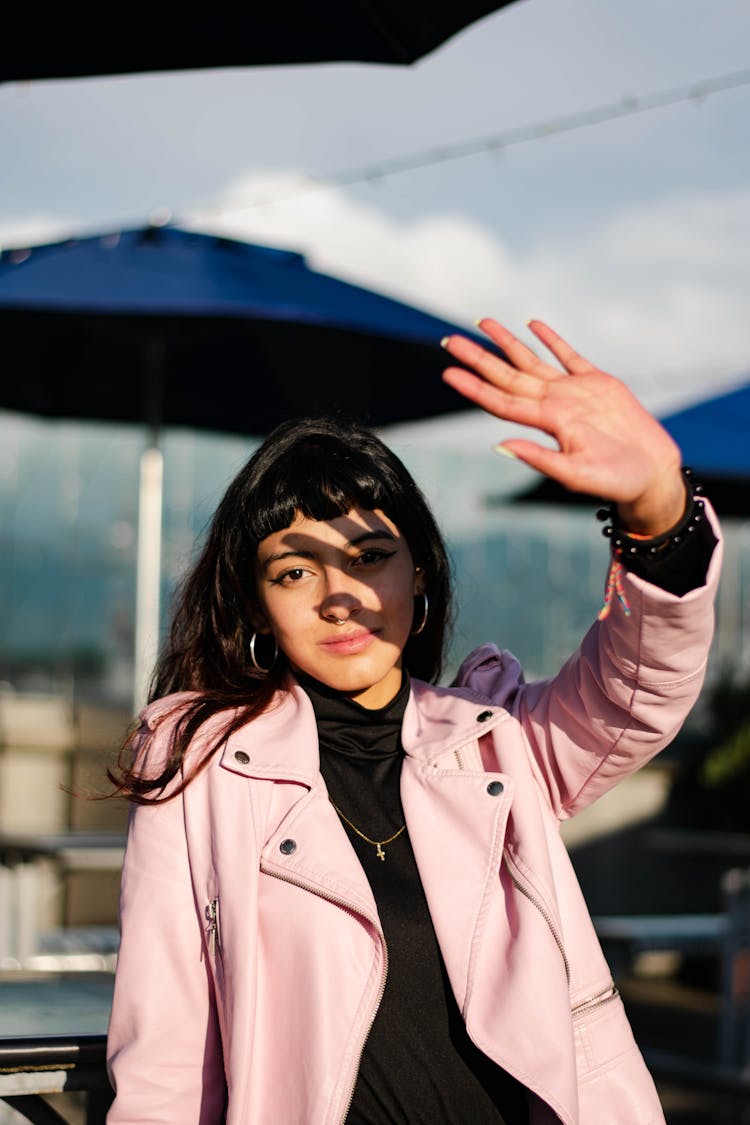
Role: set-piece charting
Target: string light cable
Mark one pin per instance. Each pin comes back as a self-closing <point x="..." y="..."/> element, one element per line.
<point x="628" y="106"/>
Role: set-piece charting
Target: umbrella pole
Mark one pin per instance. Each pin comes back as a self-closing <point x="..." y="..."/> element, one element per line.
<point x="148" y="578"/>
<point x="150" y="507"/>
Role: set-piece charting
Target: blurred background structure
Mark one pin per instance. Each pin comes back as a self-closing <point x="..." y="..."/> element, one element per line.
<point x="583" y="162"/>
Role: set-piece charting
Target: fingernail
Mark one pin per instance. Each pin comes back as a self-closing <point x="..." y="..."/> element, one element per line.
<point x="479" y="322"/>
<point x="445" y="341"/>
<point x="505" y="452"/>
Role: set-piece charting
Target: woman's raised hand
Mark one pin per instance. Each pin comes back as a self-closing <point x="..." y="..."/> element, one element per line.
<point x="609" y="445"/>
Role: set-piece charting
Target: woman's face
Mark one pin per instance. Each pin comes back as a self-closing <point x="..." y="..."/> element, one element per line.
<point x="356" y="569"/>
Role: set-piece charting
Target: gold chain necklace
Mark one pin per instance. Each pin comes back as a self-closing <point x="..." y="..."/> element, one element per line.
<point x="377" y="844"/>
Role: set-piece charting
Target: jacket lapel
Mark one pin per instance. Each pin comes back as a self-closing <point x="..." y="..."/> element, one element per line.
<point x="300" y="836"/>
<point x="498" y="934"/>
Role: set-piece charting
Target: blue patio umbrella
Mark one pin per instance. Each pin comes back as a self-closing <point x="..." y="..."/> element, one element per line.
<point x="164" y="327"/>
<point x="176" y="328"/>
<point x="714" y="436"/>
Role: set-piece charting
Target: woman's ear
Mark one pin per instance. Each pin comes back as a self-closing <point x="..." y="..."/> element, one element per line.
<point x="419" y="581"/>
<point x="259" y="621"/>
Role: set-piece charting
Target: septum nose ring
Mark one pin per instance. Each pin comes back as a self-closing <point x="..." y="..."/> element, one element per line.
<point x="335" y="620"/>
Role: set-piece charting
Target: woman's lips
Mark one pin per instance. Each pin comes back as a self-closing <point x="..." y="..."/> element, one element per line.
<point x="350" y="643"/>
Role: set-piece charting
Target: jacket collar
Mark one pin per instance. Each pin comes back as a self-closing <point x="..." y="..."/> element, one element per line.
<point x="282" y="743"/>
<point x="439" y="719"/>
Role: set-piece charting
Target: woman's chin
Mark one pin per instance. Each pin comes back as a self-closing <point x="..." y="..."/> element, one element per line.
<point x="369" y="687"/>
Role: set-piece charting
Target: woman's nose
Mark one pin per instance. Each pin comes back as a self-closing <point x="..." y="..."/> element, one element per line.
<point x="341" y="598"/>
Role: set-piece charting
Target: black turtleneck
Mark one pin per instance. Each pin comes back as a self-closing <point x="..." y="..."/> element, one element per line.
<point x="419" y="1066"/>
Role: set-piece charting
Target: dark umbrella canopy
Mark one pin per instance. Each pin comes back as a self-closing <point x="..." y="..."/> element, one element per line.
<point x="714" y="437"/>
<point x="66" y="45"/>
<point x="173" y="328"/>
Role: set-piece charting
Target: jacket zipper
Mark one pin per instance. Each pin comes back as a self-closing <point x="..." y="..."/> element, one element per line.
<point x="383" y="975"/>
<point x="459" y="759"/>
<point x="591" y="1003"/>
<point x="212" y="927"/>
<point x="523" y="886"/>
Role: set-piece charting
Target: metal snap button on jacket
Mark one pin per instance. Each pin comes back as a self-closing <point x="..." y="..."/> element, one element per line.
<point x="483" y="716"/>
<point x="495" y="788"/>
<point x="286" y="847"/>
<point x="241" y="757"/>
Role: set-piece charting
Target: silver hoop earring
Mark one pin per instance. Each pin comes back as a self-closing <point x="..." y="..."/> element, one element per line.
<point x="423" y="622"/>
<point x="254" y="660"/>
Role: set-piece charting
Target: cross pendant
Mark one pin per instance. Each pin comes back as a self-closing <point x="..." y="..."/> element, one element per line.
<point x="379" y="852"/>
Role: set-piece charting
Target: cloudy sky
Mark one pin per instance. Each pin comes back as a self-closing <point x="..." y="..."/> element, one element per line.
<point x="630" y="236"/>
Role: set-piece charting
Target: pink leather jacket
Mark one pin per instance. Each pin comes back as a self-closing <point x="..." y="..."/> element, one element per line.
<point x="252" y="960"/>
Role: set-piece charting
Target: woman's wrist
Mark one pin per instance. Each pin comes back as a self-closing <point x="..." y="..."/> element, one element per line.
<point x="628" y="541"/>
<point x="658" y="511"/>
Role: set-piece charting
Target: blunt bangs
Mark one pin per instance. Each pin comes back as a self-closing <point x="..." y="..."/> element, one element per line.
<point x="319" y="481"/>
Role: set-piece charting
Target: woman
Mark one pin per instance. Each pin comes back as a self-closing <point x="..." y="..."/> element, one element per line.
<point x="345" y="897"/>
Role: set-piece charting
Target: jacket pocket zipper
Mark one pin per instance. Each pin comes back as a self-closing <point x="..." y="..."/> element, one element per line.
<point x="213" y="935"/>
<point x="527" y="891"/>
<point x="591" y="1003"/>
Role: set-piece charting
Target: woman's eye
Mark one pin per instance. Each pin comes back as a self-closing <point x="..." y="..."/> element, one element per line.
<point x="372" y="557"/>
<point x="289" y="577"/>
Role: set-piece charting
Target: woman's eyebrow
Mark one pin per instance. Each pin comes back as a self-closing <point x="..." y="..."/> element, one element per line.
<point x="294" y="554"/>
<point x="301" y="553"/>
<point x="366" y="536"/>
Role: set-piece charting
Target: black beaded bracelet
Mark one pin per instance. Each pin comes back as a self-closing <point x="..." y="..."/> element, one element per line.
<point x="624" y="543"/>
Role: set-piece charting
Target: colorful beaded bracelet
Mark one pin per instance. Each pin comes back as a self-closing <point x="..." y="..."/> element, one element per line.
<point x="628" y="543"/>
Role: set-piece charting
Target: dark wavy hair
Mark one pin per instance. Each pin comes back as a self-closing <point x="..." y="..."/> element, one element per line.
<point x="320" y="468"/>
